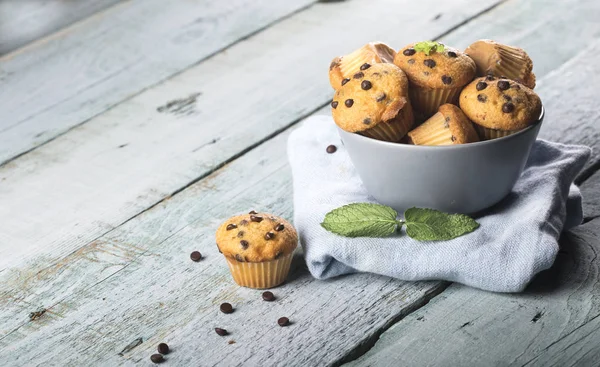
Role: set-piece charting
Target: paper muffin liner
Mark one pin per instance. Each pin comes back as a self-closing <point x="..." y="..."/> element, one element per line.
<point x="434" y="131"/>
<point x="428" y="100"/>
<point x="515" y="64"/>
<point x="395" y="129"/>
<point x="261" y="275"/>
<point x="489" y="134"/>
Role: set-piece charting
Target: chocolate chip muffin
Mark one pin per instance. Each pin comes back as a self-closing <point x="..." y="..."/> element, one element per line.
<point x="499" y="106"/>
<point x="343" y="67"/>
<point x="258" y="248"/>
<point x="437" y="74"/>
<point x="374" y="102"/>
<point x="493" y="58"/>
<point x="448" y="126"/>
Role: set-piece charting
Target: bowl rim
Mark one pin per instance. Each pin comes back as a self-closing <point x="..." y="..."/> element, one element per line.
<point x="447" y="147"/>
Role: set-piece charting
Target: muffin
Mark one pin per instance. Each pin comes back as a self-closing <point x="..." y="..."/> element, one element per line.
<point x="258" y="248"/>
<point x="374" y="102"/>
<point x="448" y="126"/>
<point x="436" y="73"/>
<point x="499" y="107"/>
<point x="343" y="67"/>
<point x="502" y="61"/>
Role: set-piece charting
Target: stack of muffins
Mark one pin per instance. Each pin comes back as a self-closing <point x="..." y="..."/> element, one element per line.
<point x="432" y="94"/>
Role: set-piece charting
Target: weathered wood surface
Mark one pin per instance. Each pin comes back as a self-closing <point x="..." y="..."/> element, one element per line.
<point x="590" y="189"/>
<point x="73" y="75"/>
<point x="24" y="21"/>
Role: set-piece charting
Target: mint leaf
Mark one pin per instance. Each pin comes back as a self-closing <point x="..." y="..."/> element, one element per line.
<point x="428" y="46"/>
<point x="433" y="225"/>
<point x="362" y="220"/>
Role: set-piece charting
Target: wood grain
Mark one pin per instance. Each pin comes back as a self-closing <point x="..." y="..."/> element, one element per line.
<point x="590" y="189"/>
<point x="22" y="22"/>
<point x="67" y="78"/>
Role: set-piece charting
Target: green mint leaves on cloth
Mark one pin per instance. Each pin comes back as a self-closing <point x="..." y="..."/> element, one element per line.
<point x="516" y="239"/>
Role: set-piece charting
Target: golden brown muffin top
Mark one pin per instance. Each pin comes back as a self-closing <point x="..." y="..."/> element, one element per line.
<point x="371" y="96"/>
<point x="500" y="104"/>
<point x="343" y="67"/>
<point x="449" y="68"/>
<point x="256" y="237"/>
<point x="461" y="128"/>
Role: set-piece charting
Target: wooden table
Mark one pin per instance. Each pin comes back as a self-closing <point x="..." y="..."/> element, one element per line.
<point x="128" y="134"/>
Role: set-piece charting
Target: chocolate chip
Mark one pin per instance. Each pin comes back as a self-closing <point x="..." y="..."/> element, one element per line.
<point x="334" y="63"/>
<point x="256" y="218"/>
<point x="221" y="332"/>
<point x="231" y="226"/>
<point x="269" y="236"/>
<point x="452" y="54"/>
<point x="349" y="102"/>
<point x="283" y="321"/>
<point x="157" y="358"/>
<point x="426" y="73"/>
<point x="334" y="104"/>
<point x="380" y="97"/>
<point x="240" y="234"/>
<point x="244" y="244"/>
<point x="163" y="348"/>
<point x="239" y="258"/>
<point x="252" y="212"/>
<point x="280" y="227"/>
<point x="490" y="78"/>
<point x="226" y="307"/>
<point x="430" y="63"/>
<point x="331" y="149"/>
<point x="453" y="138"/>
<point x="358" y="75"/>
<point x="268" y="296"/>
<point x="367" y="121"/>
<point x="243" y="222"/>
<point x="344" y="81"/>
<point x="196" y="256"/>
<point x="481" y="85"/>
<point x="409" y="52"/>
<point x="503" y="85"/>
<point x="516" y="86"/>
<point x="376" y="74"/>
<point x="365" y="66"/>
<point x="482" y="98"/>
<point x="366" y="85"/>
<point x="411" y="61"/>
<point x="446" y="79"/>
<point x="507" y="97"/>
<point x="508" y="107"/>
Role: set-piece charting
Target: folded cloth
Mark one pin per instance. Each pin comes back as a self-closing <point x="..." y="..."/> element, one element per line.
<point x="517" y="238"/>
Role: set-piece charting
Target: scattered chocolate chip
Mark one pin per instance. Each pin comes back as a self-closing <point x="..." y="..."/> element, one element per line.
<point x="367" y="121"/>
<point x="163" y="348"/>
<point x="331" y="149"/>
<point x="452" y="54"/>
<point x="240" y="234"/>
<point x="446" y="79"/>
<point x="221" y="332"/>
<point x="239" y="258"/>
<point x="334" y="63"/>
<point x="231" y="226"/>
<point x="380" y="97"/>
<point x="256" y="218"/>
<point x="376" y="74"/>
<point x="231" y="342"/>
<point x="196" y="256"/>
<point x="503" y="85"/>
<point x="365" y="66"/>
<point x="359" y="75"/>
<point x="226" y="307"/>
<point x="269" y="236"/>
<point x="252" y="212"/>
<point x="516" y="86"/>
<point x="268" y="296"/>
<point x="430" y="63"/>
<point x="426" y="73"/>
<point x="507" y="97"/>
<point x="349" y="102"/>
<point x="481" y="85"/>
<point x="244" y="244"/>
<point x="157" y="358"/>
<point x="278" y="255"/>
<point x="508" y="107"/>
<point x="334" y="104"/>
<point x="482" y="98"/>
<point x="283" y="321"/>
<point x="243" y="222"/>
<point x="344" y="81"/>
<point x="279" y="227"/>
<point x="411" y="61"/>
<point x="409" y="52"/>
<point x="490" y="78"/>
<point x="366" y="85"/>
<point x="453" y="138"/>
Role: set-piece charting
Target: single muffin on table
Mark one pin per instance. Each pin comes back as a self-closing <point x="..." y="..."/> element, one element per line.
<point x="437" y="74"/>
<point x="449" y="126"/>
<point x="493" y="58"/>
<point x="499" y="107"/>
<point x="258" y="248"/>
<point x="343" y="67"/>
<point x="374" y="102"/>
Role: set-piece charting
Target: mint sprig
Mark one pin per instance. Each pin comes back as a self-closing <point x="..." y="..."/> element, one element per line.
<point x="375" y="220"/>
<point x="429" y="46"/>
